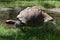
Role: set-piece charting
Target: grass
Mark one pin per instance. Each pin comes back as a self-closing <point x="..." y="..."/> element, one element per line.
<point x="46" y="32"/>
<point x="41" y="4"/>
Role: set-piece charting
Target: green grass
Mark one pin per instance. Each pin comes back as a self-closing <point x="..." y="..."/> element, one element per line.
<point x="45" y="32"/>
<point x="41" y="4"/>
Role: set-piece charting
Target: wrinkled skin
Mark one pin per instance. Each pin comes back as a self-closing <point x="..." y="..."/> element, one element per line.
<point x="32" y="15"/>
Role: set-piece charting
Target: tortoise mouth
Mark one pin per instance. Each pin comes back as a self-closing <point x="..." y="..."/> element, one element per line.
<point x="10" y="21"/>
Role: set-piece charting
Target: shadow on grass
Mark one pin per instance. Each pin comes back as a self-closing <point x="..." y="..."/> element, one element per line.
<point x="37" y="32"/>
